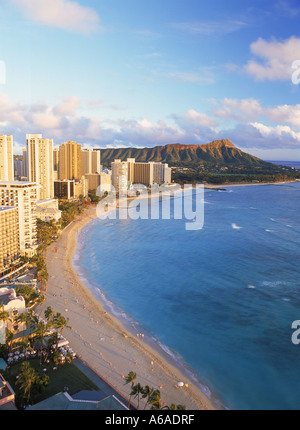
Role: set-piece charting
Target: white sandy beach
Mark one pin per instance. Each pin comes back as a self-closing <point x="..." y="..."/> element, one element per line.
<point x="100" y="340"/>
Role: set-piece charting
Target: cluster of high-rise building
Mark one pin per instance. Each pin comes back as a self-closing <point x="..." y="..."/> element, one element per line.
<point x="30" y="186"/>
<point x="126" y="173"/>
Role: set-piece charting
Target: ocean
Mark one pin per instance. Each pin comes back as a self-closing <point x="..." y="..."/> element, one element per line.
<point x="220" y="301"/>
<point x="294" y="164"/>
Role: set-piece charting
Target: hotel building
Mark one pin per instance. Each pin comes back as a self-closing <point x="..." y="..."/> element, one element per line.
<point x="64" y="189"/>
<point x="81" y="188"/>
<point x="23" y="196"/>
<point x="99" y="179"/>
<point x="48" y="210"/>
<point x="56" y="163"/>
<point x="90" y="161"/>
<point x="120" y="176"/>
<point x="6" y="158"/>
<point x="69" y="161"/>
<point x="9" y="237"/>
<point x="140" y="173"/>
<point x="25" y="164"/>
<point x="40" y="165"/>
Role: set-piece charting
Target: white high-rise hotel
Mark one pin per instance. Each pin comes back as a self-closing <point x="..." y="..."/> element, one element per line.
<point x="6" y="158"/>
<point x="40" y="165"/>
<point x="128" y="172"/>
<point x="90" y="162"/>
<point x="23" y="197"/>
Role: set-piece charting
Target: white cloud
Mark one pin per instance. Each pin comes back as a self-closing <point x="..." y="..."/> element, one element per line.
<point x="252" y="125"/>
<point x="251" y="110"/>
<point x="208" y="28"/>
<point x="285" y="114"/>
<point x="279" y="132"/>
<point x="62" y="122"/>
<point x="195" y="119"/>
<point x="67" y="106"/>
<point x="244" y="109"/>
<point x="64" y="14"/>
<point x="274" y="59"/>
<point x="259" y="136"/>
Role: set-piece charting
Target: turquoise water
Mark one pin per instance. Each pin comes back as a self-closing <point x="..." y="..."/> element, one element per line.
<point x="222" y="298"/>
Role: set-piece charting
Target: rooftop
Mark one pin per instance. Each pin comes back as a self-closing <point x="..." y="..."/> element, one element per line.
<point x="42" y="202"/>
<point x="17" y="184"/>
<point x="64" y="402"/>
<point x="5" y="299"/>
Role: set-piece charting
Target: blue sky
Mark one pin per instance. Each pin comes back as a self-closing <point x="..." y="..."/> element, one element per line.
<point x="111" y="73"/>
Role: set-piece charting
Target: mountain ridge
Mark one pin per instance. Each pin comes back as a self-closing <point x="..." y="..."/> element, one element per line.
<point x="222" y="152"/>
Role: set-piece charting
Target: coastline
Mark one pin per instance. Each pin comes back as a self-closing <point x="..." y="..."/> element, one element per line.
<point x="101" y="340"/>
<point x="246" y="184"/>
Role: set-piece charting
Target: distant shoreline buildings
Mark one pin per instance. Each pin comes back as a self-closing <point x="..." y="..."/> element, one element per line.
<point x="127" y="173"/>
<point x="32" y="184"/>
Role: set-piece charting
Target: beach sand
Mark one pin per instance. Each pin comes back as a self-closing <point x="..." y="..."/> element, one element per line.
<point x="100" y="340"/>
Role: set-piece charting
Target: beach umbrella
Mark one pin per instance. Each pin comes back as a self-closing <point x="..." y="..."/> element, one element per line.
<point x="180" y="384"/>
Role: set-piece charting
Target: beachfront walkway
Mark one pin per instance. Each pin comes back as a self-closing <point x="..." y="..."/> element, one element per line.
<point x="97" y="380"/>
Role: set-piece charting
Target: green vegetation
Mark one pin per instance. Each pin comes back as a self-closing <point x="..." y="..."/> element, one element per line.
<point x="194" y="175"/>
<point x="37" y="385"/>
<point x="153" y="396"/>
<point x="93" y="197"/>
<point x="39" y="261"/>
<point x="35" y="378"/>
<point x="47" y="232"/>
<point x="70" y="210"/>
<point x="30" y="295"/>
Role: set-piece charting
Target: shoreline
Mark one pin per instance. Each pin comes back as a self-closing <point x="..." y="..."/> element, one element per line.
<point x="246" y="184"/>
<point x="106" y="342"/>
<point x="135" y="328"/>
<point x="101" y="340"/>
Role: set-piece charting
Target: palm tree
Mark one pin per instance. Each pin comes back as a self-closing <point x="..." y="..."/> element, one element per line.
<point x="24" y="343"/>
<point x="9" y="339"/>
<point x="155" y="400"/>
<point x="40" y="332"/>
<point x="33" y="320"/>
<point x="54" y="340"/>
<point x="129" y="379"/>
<point x="147" y="392"/>
<point x="4" y="316"/>
<point x="49" y="313"/>
<point x="43" y="276"/>
<point x="26" y="379"/>
<point x="175" y="407"/>
<point x="55" y="357"/>
<point x="60" y="322"/>
<point x="22" y="318"/>
<point x="136" y="391"/>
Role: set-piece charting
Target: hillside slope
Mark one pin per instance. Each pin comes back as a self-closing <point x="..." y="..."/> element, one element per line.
<point x="221" y="152"/>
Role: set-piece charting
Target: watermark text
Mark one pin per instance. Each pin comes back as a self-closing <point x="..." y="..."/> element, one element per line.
<point x="140" y="202"/>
